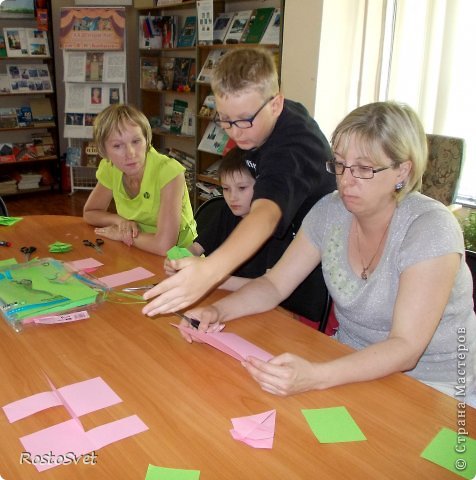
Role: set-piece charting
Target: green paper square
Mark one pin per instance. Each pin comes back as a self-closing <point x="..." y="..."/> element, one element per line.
<point x="333" y="425"/>
<point x="441" y="450"/>
<point x="162" y="473"/>
<point x="175" y="253"/>
<point x="8" y="262"/>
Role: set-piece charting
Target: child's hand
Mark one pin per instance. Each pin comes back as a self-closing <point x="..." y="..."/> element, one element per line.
<point x="169" y="270"/>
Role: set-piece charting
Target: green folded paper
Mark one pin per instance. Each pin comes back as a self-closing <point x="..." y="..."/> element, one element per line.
<point x="9" y="220"/>
<point x="175" y="253"/>
<point x="60" y="247"/>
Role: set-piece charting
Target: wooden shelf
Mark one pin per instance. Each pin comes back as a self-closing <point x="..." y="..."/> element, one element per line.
<point x="205" y="178"/>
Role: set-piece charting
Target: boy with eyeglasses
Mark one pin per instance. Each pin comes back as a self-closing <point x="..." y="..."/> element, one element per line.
<point x="288" y="153"/>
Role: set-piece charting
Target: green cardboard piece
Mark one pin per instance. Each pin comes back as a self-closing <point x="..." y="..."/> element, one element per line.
<point x="162" y="473"/>
<point x="175" y="253"/>
<point x="7" y="221"/>
<point x="442" y="451"/>
<point x="333" y="425"/>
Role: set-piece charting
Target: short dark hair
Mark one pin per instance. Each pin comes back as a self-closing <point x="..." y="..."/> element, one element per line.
<point x="234" y="161"/>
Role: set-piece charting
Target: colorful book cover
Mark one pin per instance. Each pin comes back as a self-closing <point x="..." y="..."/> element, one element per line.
<point x="257" y="24"/>
<point x="178" y="111"/>
<point x="188" y="35"/>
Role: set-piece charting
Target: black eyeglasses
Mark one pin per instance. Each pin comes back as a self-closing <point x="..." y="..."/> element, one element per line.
<point x="357" y="171"/>
<point x="243" y="123"/>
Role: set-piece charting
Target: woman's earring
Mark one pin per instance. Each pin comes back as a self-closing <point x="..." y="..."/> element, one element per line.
<point x="399" y="186"/>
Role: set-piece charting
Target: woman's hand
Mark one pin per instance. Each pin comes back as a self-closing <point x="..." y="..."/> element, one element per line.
<point x="208" y="318"/>
<point x="168" y="268"/>
<point x="283" y="375"/>
<point x="125" y="231"/>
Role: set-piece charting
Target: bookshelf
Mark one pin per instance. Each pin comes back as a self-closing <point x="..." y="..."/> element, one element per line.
<point x="28" y="143"/>
<point x="155" y="102"/>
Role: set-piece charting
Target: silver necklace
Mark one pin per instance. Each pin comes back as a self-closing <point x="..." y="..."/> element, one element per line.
<point x="364" y="275"/>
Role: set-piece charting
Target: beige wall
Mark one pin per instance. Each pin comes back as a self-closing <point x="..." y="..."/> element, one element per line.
<point x="302" y="31"/>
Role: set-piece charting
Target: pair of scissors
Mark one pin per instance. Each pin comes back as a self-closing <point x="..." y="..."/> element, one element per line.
<point x="27" y="251"/>
<point x="194" y="323"/>
<point x="96" y="245"/>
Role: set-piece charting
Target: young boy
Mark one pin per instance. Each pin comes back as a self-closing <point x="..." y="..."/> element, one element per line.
<point x="288" y="152"/>
<point x="237" y="182"/>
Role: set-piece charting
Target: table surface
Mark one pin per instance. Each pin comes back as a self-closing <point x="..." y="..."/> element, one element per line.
<point x="187" y="394"/>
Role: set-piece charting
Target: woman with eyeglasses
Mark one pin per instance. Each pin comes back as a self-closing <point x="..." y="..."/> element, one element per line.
<point x="393" y="261"/>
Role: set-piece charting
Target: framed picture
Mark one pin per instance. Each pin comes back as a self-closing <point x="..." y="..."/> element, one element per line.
<point x="17" y="9"/>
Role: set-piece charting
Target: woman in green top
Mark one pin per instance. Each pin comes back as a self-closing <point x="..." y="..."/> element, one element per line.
<point x="148" y="188"/>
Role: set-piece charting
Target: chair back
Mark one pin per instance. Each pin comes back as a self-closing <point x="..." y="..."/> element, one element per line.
<point x="3" y="208"/>
<point x="445" y="157"/>
<point x="207" y="211"/>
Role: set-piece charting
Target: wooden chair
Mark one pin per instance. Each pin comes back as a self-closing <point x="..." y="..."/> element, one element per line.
<point x="445" y="157"/>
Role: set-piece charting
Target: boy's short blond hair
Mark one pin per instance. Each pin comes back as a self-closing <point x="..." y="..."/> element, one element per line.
<point x="113" y="118"/>
<point x="246" y="69"/>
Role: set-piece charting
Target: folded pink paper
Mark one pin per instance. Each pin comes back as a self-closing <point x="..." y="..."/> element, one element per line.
<point x="229" y="343"/>
<point x="255" y="430"/>
<point x="128" y="276"/>
<point x="81" y="397"/>
<point x="68" y="438"/>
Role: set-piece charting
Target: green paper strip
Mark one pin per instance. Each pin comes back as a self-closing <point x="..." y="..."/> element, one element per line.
<point x="162" y="473"/>
<point x="442" y="450"/>
<point x="333" y="425"/>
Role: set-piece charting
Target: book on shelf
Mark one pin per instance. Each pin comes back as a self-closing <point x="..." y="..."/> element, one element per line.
<point x="6" y="153"/>
<point x="42" y="112"/>
<point x="24" y="42"/>
<point x="73" y="156"/>
<point x="208" y="190"/>
<point x="238" y="26"/>
<point x="178" y="111"/>
<point x="29" y="181"/>
<point x="207" y="69"/>
<point x="5" y="87"/>
<point x="188" y="125"/>
<point x="8" y="117"/>
<point x="7" y="185"/>
<point x="186" y="161"/>
<point x="215" y="140"/>
<point x="181" y="74"/>
<point x="44" y="144"/>
<point x="212" y="170"/>
<point x="257" y="25"/>
<point x="167" y="116"/>
<point x="3" y="47"/>
<point x="26" y="78"/>
<point x="158" y="31"/>
<point x="208" y="108"/>
<point x="149" y="72"/>
<point x="89" y="154"/>
<point x="192" y="75"/>
<point x="165" y="73"/>
<point x="24" y="116"/>
<point x="221" y="26"/>
<point x="272" y="33"/>
<point x="188" y="35"/>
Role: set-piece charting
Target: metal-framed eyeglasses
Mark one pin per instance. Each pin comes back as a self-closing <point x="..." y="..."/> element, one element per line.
<point x="357" y="171"/>
<point x="242" y="123"/>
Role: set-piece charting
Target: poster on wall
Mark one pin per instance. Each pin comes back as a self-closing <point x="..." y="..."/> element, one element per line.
<point x="92" y="28"/>
<point x="17" y="9"/>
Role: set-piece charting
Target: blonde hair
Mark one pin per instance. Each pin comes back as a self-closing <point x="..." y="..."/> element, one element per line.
<point x="389" y="127"/>
<point x="245" y="69"/>
<point x="113" y="118"/>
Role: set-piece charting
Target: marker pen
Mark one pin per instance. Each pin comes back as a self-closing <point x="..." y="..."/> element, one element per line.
<point x="4" y="243"/>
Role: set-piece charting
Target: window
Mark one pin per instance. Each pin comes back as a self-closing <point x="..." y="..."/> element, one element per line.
<point x="419" y="53"/>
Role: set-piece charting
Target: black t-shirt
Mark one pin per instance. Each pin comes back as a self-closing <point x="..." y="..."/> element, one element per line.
<point x="219" y="227"/>
<point x="290" y="166"/>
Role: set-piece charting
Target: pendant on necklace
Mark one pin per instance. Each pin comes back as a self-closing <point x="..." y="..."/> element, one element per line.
<point x="363" y="275"/>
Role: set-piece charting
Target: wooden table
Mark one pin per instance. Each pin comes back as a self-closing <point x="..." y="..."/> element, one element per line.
<point x="187" y="394"/>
